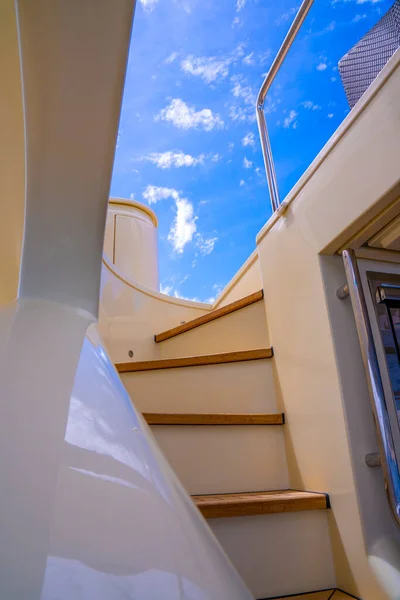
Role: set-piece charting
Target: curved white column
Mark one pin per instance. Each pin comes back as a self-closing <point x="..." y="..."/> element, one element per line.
<point x="130" y="241"/>
<point x="73" y="56"/>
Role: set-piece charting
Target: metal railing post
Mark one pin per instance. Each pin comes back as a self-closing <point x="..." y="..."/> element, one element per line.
<point x="262" y="94"/>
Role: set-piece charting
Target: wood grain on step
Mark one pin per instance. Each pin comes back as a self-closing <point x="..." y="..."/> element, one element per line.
<point x="324" y="595"/>
<point x="259" y="503"/>
<point x="214" y="418"/>
<point x="195" y="361"/>
<point x="211" y="316"/>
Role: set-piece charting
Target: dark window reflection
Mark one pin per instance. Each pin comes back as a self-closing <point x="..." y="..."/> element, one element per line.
<point x="389" y="325"/>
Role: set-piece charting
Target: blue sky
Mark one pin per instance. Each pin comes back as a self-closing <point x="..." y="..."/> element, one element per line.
<point x="188" y="142"/>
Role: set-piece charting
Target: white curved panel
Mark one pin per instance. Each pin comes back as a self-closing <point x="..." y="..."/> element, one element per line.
<point x="136" y="250"/>
<point x="73" y="56"/>
<point x="90" y="508"/>
<point x="131" y="241"/>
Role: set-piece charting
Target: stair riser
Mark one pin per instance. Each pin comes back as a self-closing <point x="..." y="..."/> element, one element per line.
<point x="235" y="387"/>
<point x="279" y="554"/>
<point x="242" y="330"/>
<point x="212" y="459"/>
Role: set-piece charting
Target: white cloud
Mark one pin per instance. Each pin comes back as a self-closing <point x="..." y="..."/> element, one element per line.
<point x="322" y="66"/>
<point x="334" y="2"/>
<point x="149" y="4"/>
<point x="242" y="90"/>
<point x="331" y="26"/>
<point x="170" y="59"/>
<point x="309" y="105"/>
<point x="169" y="290"/>
<point x="154" y="194"/>
<point x="166" y="289"/>
<point x="182" y="297"/>
<point x="249" y="59"/>
<point x="249" y="140"/>
<point x="208" y="68"/>
<point x="166" y="160"/>
<point x="286" y="16"/>
<point x="205" y="245"/>
<point x="290" y="121"/>
<point x="231" y="146"/>
<point x="211" y="68"/>
<point x="217" y="288"/>
<point x="170" y="159"/>
<point x="358" y="18"/>
<point x="247" y="163"/>
<point x="330" y="115"/>
<point x="184" y="116"/>
<point x="241" y="182"/>
<point x="246" y="95"/>
<point x="237" y="22"/>
<point x="238" y="113"/>
<point x="265" y="56"/>
<point x="240" y="4"/>
<point x="333" y="78"/>
<point x="184" y="225"/>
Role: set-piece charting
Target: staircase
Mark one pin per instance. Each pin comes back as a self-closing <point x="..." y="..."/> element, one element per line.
<point x="212" y="403"/>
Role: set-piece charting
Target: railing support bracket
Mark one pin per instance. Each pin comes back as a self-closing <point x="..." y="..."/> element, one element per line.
<point x="372" y="459"/>
<point x="342" y="292"/>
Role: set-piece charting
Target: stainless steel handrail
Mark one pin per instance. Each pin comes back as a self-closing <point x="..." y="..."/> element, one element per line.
<point x="262" y="94"/>
<point x="377" y="394"/>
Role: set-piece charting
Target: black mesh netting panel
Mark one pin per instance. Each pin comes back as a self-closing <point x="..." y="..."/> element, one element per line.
<point x="359" y="67"/>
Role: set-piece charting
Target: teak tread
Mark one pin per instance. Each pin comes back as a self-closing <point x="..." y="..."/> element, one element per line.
<point x="214" y="418"/>
<point x="195" y="361"/>
<point x="331" y="594"/>
<point x="259" y="503"/>
<point x="211" y="316"/>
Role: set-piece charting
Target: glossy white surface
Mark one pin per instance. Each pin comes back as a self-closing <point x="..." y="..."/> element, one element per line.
<point x="73" y="57"/>
<point x="90" y="508"/>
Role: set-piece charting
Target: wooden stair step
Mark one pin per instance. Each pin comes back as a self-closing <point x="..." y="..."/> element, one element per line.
<point x="195" y="361"/>
<point x="211" y="316"/>
<point x="330" y="594"/>
<point x="214" y="418"/>
<point x="259" y="503"/>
